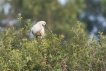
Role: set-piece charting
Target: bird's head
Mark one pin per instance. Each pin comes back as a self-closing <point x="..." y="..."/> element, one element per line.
<point x="42" y="23"/>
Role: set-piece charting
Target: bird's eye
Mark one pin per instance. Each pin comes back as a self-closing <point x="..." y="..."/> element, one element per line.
<point x="44" y="23"/>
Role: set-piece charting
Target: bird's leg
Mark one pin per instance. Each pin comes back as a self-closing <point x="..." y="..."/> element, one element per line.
<point x="41" y="37"/>
<point x="36" y="36"/>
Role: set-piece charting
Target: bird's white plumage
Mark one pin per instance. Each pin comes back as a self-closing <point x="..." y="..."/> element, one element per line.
<point x="38" y="29"/>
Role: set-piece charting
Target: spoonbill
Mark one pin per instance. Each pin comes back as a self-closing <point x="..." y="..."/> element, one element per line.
<point x="38" y="29"/>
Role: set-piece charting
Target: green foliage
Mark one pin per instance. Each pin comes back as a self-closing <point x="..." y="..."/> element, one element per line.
<point x="53" y="53"/>
<point x="60" y="17"/>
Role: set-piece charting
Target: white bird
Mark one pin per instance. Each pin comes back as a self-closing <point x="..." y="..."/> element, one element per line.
<point x="38" y="29"/>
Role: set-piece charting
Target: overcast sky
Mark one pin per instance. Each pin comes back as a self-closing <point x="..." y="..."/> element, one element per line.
<point x="62" y="1"/>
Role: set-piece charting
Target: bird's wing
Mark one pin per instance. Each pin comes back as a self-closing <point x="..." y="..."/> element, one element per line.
<point x="36" y="28"/>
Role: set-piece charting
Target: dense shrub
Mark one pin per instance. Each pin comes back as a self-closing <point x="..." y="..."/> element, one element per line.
<point x="53" y="53"/>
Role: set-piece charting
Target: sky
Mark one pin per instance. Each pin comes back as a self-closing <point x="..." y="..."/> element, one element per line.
<point x="62" y="1"/>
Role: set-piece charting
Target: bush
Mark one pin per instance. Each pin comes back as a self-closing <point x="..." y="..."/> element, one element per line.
<point x="53" y="53"/>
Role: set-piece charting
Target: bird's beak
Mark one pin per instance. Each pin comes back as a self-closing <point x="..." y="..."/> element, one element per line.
<point x="48" y="29"/>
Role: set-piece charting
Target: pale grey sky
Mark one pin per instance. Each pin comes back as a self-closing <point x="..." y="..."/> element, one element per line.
<point x="62" y="1"/>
